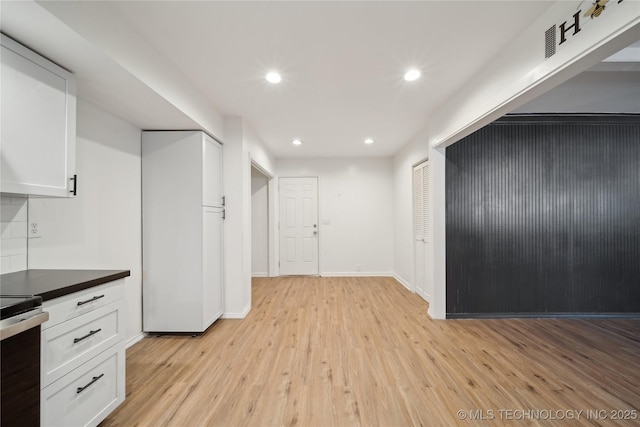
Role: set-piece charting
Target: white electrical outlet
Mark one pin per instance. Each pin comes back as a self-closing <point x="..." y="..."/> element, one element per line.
<point x="34" y="230"/>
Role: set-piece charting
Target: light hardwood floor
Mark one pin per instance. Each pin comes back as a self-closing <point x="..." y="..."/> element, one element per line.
<point x="363" y="352"/>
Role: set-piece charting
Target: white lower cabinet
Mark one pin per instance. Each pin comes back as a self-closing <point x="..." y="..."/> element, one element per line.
<point x="88" y="394"/>
<point x="83" y="357"/>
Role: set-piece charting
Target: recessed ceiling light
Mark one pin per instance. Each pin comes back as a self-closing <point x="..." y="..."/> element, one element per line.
<point x="273" y="77"/>
<point x="296" y="142"/>
<point x="368" y="141"/>
<point x="412" y="74"/>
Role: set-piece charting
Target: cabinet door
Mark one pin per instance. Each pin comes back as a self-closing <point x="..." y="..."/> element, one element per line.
<point x="38" y="123"/>
<point x="212" y="261"/>
<point x="211" y="172"/>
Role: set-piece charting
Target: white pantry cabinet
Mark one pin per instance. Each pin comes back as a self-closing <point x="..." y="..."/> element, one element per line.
<point x="38" y="116"/>
<point x="182" y="223"/>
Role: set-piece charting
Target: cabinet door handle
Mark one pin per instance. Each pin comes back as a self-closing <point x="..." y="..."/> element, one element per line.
<point x="76" y="340"/>
<point x="224" y="200"/>
<point x="90" y="300"/>
<point x="93" y="380"/>
<point x="75" y="185"/>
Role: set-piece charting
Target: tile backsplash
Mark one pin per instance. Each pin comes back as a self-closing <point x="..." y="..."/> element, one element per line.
<point x="13" y="240"/>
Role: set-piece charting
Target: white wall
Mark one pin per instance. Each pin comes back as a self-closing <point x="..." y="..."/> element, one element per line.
<point x="355" y="195"/>
<point x="240" y="144"/>
<point x="259" y="224"/>
<point x="403" y="162"/>
<point x="101" y="227"/>
<point x="591" y="92"/>
<point x="13" y="239"/>
<point x="257" y="151"/>
<point x="237" y="298"/>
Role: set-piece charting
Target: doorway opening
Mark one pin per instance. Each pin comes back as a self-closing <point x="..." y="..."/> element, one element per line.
<point x="259" y="222"/>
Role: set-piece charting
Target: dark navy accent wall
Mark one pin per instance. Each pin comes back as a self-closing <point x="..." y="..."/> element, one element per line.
<point x="543" y="216"/>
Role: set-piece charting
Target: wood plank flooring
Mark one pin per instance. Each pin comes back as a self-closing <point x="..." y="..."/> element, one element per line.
<point x="363" y="352"/>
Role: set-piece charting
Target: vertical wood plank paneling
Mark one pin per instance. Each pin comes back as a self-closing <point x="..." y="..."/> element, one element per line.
<point x="544" y="217"/>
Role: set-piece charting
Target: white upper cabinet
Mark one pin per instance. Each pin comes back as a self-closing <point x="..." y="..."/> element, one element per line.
<point x="38" y="124"/>
<point x="212" y="173"/>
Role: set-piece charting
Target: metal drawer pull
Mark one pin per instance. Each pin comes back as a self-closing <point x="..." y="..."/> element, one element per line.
<point x="75" y="340"/>
<point x="90" y="300"/>
<point x="81" y="389"/>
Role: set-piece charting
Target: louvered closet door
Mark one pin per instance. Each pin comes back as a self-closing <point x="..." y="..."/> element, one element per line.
<point x="422" y="228"/>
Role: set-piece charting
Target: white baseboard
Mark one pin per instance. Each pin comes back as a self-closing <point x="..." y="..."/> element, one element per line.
<point x="403" y="282"/>
<point x="259" y="274"/>
<point x="241" y="315"/>
<point x="134" y="340"/>
<point x="425" y="296"/>
<point x="358" y="274"/>
<point x="434" y="316"/>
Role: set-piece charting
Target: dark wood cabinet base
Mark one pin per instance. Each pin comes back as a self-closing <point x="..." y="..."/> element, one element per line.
<point x="20" y="385"/>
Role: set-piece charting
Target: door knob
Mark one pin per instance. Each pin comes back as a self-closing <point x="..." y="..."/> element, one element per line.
<point x="315" y="232"/>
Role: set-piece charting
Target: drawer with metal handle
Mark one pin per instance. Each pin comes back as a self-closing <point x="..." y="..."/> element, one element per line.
<point x="66" y="346"/>
<point x="87" y="395"/>
<point x="79" y="303"/>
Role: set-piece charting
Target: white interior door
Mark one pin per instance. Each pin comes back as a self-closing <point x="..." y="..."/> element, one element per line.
<point x="298" y="226"/>
<point x="422" y="229"/>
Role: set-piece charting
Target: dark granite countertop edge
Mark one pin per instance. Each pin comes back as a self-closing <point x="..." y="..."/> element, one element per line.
<point x="60" y="292"/>
<point x="51" y="284"/>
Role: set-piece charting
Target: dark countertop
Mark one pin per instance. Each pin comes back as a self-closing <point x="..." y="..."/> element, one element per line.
<point x="50" y="284"/>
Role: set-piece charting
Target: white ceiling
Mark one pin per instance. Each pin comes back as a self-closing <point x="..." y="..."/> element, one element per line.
<point x="342" y="61"/>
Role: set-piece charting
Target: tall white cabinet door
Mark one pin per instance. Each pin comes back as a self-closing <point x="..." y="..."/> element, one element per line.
<point x="212" y="264"/>
<point x="212" y="172"/>
<point x="38" y="116"/>
<point x="182" y="239"/>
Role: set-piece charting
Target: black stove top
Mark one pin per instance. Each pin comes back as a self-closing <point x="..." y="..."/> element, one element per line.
<point x="14" y="305"/>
